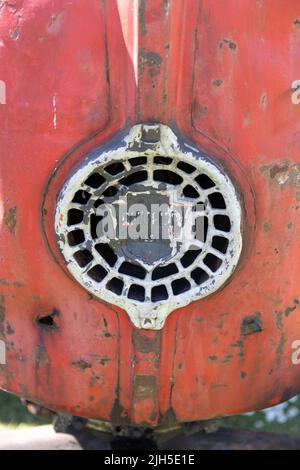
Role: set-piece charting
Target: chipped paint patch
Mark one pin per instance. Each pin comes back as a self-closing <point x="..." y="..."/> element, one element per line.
<point x="81" y="364"/>
<point x="150" y="60"/>
<point x="283" y="173"/>
<point x="55" y="23"/>
<point x="227" y="42"/>
<point x="251" y="324"/>
<point x="10" y="219"/>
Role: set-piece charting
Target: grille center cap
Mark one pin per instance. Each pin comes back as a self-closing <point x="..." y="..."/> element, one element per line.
<point x="147" y="211"/>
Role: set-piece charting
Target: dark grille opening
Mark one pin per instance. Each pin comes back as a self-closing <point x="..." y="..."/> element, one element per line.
<point x="220" y="244"/>
<point x="81" y="197"/>
<point x="115" y="168"/>
<point x="95" y="180"/>
<point x="167" y="176"/>
<point x="159" y="293"/>
<point x="204" y="181"/>
<point x="189" y="257"/>
<point x="199" y="276"/>
<point x="97" y="273"/>
<point x="164" y="271"/>
<point x="83" y="258"/>
<point x="163" y="160"/>
<point x="136" y="293"/>
<point x="212" y="262"/>
<point x="98" y="203"/>
<point x="75" y="237"/>
<point x="111" y="191"/>
<point x="191" y="192"/>
<point x="75" y="216"/>
<point x="107" y="253"/>
<point x="136" y="161"/>
<point x="180" y="285"/>
<point x="115" y="285"/>
<point x="186" y="167"/>
<point x="132" y="270"/>
<point x="134" y="178"/>
<point x="94" y="221"/>
<point x="222" y="222"/>
<point x="217" y="201"/>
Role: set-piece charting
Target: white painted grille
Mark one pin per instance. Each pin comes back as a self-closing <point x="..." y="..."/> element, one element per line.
<point x="148" y="278"/>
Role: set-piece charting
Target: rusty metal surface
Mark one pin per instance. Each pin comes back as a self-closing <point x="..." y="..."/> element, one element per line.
<point x="220" y="72"/>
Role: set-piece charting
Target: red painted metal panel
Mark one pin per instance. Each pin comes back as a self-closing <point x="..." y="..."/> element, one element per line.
<point x="220" y="72"/>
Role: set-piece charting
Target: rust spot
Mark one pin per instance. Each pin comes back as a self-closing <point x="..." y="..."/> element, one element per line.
<point x="251" y="324"/>
<point x="151" y="60"/>
<point x="243" y="374"/>
<point x="284" y="174"/>
<point x="41" y="354"/>
<point x="240" y="345"/>
<point x="199" y="111"/>
<point x="199" y="320"/>
<point x="278" y="170"/>
<point x="297" y="22"/>
<point x="9" y="329"/>
<point x="19" y="285"/>
<point x="119" y="415"/>
<point x="214" y="386"/>
<point x="10" y="219"/>
<point x="232" y="45"/>
<point x="290" y="309"/>
<point x="279" y="317"/>
<point x="279" y="349"/>
<point x="145" y="387"/>
<point x="264" y="101"/>
<point x="227" y="359"/>
<point x="81" y="364"/>
<point x="105" y="360"/>
<point x="267" y="227"/>
<point x="142" y="17"/>
<point x="217" y="82"/>
<point x="4" y="282"/>
<point x="146" y="344"/>
<point x="212" y="358"/>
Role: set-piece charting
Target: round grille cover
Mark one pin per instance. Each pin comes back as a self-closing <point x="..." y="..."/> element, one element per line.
<point x="149" y="224"/>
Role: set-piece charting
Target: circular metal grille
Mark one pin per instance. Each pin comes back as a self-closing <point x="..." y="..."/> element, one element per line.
<point x="149" y="278"/>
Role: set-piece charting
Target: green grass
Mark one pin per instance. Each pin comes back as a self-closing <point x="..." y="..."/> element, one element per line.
<point x="13" y="413"/>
